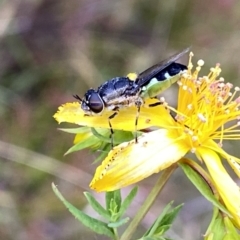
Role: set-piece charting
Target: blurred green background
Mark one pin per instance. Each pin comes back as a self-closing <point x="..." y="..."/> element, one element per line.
<point x="52" y="49"/>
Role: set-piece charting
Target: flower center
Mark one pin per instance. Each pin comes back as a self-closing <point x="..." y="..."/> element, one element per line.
<point x="207" y="107"/>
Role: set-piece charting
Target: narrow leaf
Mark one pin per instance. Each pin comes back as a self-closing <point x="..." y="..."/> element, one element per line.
<point x="105" y="150"/>
<point x="202" y="187"/>
<point x="118" y="199"/>
<point x="118" y="137"/>
<point x="231" y="232"/>
<point x="217" y="229"/>
<point x="108" y="198"/>
<point x="157" y="222"/>
<point x="75" y="130"/>
<point x="127" y="201"/>
<point x="168" y="219"/>
<point x="118" y="223"/>
<point x="84" y="144"/>
<point x="100" y="136"/>
<point x="97" y="206"/>
<point x="92" y="223"/>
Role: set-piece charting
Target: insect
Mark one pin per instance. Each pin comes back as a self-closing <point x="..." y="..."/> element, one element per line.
<point x="120" y="92"/>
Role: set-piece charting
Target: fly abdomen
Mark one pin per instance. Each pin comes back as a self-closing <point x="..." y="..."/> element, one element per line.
<point x="172" y="70"/>
<point x="162" y="80"/>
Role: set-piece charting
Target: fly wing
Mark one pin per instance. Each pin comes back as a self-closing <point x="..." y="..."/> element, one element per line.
<point x="144" y="77"/>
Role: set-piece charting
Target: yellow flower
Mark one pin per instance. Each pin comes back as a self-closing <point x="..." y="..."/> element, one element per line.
<point x="124" y="120"/>
<point x="208" y="111"/>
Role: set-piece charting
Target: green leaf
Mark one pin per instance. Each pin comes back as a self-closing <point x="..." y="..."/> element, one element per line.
<point x="217" y="230"/>
<point x="202" y="187"/>
<point x="113" y="210"/>
<point x="231" y="232"/>
<point x="168" y="219"/>
<point x="84" y="144"/>
<point x="118" y="199"/>
<point x="118" y="223"/>
<point x="75" y="130"/>
<point x="152" y="231"/>
<point x="92" y="223"/>
<point x="97" y="206"/>
<point x="124" y="136"/>
<point x="118" y="136"/>
<point x="127" y="201"/>
<point x="105" y="150"/>
<point x="102" y="135"/>
<point x="108" y="198"/>
<point x="163" y="222"/>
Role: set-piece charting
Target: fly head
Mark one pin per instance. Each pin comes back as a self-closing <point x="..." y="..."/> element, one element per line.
<point x="92" y="102"/>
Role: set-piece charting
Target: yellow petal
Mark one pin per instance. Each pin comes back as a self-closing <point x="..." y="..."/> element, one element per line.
<point x="227" y="188"/>
<point x="124" y="120"/>
<point x="233" y="161"/>
<point x="129" y="162"/>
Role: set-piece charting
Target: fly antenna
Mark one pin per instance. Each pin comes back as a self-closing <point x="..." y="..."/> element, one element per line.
<point x="77" y="97"/>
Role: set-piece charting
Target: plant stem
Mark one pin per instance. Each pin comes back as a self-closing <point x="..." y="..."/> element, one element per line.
<point x="115" y="234"/>
<point x="148" y="203"/>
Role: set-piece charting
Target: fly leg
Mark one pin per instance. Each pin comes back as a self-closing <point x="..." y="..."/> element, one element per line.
<point x="155" y="104"/>
<point x="138" y="104"/>
<point x="110" y="126"/>
<point x="136" y="123"/>
<point x="160" y="103"/>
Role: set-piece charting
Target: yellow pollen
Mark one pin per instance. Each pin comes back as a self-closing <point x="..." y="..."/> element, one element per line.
<point x="189" y="106"/>
<point x="179" y="82"/>
<point x="188" y="131"/>
<point x="180" y="118"/>
<point x="237" y="89"/>
<point x="221" y="85"/>
<point x="162" y="99"/>
<point x="148" y="120"/>
<point x="144" y="144"/>
<point x="200" y="63"/>
<point x="220" y="100"/>
<point x="227" y="111"/>
<point x="194" y="138"/>
<point x="202" y="118"/>
<point x="193" y="150"/>
<point x="198" y="82"/>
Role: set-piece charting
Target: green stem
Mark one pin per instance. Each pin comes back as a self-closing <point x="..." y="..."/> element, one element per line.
<point x="148" y="203"/>
<point x="115" y="234"/>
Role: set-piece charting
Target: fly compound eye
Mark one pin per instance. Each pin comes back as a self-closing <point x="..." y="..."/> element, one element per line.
<point x="95" y="103"/>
